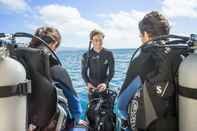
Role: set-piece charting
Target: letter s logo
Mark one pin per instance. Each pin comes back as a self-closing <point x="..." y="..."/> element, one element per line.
<point x="158" y="89"/>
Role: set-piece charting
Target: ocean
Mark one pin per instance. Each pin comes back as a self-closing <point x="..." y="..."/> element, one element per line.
<point x="71" y="60"/>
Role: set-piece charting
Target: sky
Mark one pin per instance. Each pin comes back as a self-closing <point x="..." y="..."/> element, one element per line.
<point x="118" y="19"/>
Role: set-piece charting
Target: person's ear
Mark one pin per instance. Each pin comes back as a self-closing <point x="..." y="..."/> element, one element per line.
<point x="53" y="46"/>
<point x="146" y="36"/>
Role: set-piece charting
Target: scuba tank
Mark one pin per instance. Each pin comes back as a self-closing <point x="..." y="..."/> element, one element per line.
<point x="13" y="93"/>
<point x="188" y="93"/>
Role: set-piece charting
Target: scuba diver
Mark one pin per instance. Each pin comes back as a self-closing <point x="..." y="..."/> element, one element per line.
<point x="97" y="71"/>
<point x="97" y="64"/>
<point x="32" y="99"/>
<point x="60" y="76"/>
<point x="150" y="86"/>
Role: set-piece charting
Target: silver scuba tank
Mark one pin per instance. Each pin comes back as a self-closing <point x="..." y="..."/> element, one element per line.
<point x="13" y="89"/>
<point x="188" y="93"/>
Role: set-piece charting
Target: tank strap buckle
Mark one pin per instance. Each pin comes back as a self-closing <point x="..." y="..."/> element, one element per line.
<point x="22" y="89"/>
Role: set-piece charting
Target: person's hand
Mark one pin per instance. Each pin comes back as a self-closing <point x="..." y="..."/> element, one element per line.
<point x="90" y="87"/>
<point x="83" y="123"/>
<point x="102" y="87"/>
<point x="31" y="127"/>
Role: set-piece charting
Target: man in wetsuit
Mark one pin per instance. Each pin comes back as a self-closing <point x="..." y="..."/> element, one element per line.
<point x="97" y="71"/>
<point x="154" y="68"/>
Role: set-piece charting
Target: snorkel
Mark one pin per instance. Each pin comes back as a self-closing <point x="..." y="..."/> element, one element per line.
<point x="89" y="49"/>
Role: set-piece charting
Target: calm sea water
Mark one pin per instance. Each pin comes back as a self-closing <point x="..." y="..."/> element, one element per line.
<point x="71" y="60"/>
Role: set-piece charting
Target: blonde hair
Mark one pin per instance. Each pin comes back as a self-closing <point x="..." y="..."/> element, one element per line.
<point x="46" y="32"/>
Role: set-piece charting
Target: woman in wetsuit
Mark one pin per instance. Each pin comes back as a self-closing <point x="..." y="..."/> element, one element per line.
<point x="59" y="74"/>
<point x="97" y="71"/>
<point x="97" y="64"/>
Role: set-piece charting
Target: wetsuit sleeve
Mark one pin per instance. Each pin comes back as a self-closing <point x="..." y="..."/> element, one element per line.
<point x="59" y="74"/>
<point x="84" y="69"/>
<point x="125" y="97"/>
<point x="110" y="68"/>
<point x="130" y="75"/>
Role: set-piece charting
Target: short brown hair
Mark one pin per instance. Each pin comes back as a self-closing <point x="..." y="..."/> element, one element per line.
<point x="48" y="34"/>
<point x="154" y="24"/>
<point x="96" y="32"/>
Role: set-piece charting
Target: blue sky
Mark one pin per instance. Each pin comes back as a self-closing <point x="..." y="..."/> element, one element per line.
<point x="118" y="19"/>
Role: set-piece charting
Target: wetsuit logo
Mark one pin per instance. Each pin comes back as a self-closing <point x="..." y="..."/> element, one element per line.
<point x="134" y="109"/>
<point x="159" y="89"/>
<point x="106" y="62"/>
<point x="96" y="57"/>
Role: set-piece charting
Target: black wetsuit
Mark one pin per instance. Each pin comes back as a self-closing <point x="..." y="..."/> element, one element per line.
<point x="60" y="73"/>
<point x="98" y="68"/>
